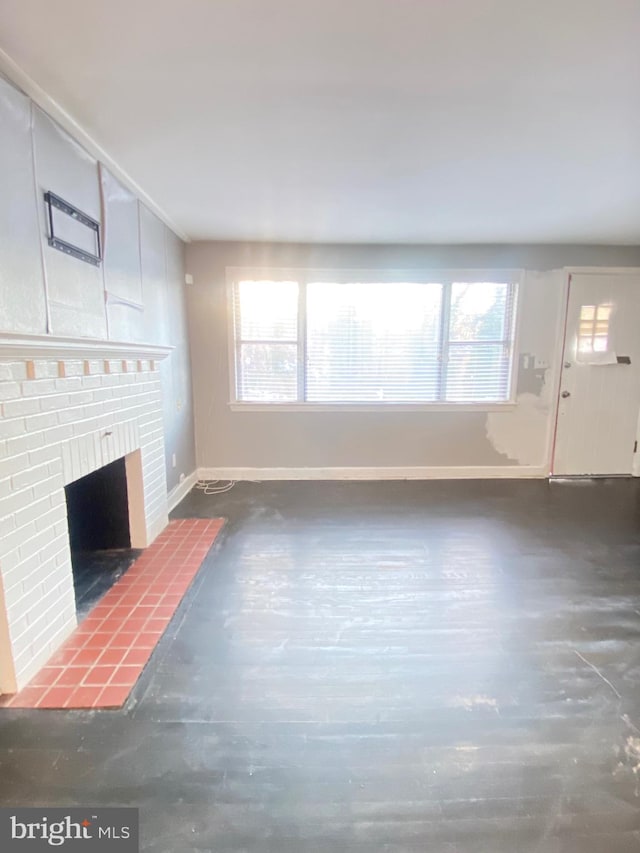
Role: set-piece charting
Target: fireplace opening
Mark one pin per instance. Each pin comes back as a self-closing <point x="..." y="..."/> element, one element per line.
<point x="99" y="534"/>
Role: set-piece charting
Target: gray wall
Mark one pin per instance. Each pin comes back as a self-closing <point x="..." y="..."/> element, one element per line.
<point x="517" y="437"/>
<point x="136" y="295"/>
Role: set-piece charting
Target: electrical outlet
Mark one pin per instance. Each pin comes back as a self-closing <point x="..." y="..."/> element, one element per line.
<point x="173" y="461"/>
<point x="182" y="478"/>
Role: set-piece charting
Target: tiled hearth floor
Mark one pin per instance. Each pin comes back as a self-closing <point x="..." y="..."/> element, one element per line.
<point x="99" y="664"/>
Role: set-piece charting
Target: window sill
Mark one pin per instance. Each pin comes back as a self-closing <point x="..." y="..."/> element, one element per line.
<point x="387" y="408"/>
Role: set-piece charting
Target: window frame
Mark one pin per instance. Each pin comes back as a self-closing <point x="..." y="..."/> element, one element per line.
<point x="445" y="277"/>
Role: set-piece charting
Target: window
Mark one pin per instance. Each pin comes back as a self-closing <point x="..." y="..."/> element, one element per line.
<point x="593" y="334"/>
<point x="322" y="339"/>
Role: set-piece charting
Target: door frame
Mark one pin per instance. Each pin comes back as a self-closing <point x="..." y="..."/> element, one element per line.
<point x="568" y="273"/>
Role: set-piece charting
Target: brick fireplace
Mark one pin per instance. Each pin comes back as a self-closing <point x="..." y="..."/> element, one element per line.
<point x="68" y="407"/>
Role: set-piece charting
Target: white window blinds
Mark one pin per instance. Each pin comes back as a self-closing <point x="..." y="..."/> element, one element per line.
<point x="372" y="342"/>
<point x="322" y="341"/>
<point x="267" y="341"/>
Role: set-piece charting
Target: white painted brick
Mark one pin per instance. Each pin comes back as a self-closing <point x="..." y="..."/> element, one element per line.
<point x="57" y="498"/>
<point x="53" y="402"/>
<point x="7" y="525"/>
<point x="155" y="444"/>
<point x="69" y="383"/>
<point x="151" y="428"/>
<point x="45" y="369"/>
<point x="91" y="382"/>
<point x="151" y="483"/>
<point x="15" y="408"/>
<point x="20" y="595"/>
<point x="36" y="655"/>
<point x="92" y="424"/>
<point x="153" y="475"/>
<point x="34" y="571"/>
<point x="112" y="406"/>
<point x="30" y="477"/>
<point x="49" y="486"/>
<point x="15" y="501"/>
<point x="43" y="542"/>
<point x="60" y="528"/>
<point x="37" y="569"/>
<point x="13" y="464"/>
<point x="39" y="387"/>
<point x="53" y="582"/>
<point x="55" y="467"/>
<point x="111" y="381"/>
<point x="19" y="537"/>
<point x="152" y="480"/>
<point x="157" y="506"/>
<point x="102" y="394"/>
<point x="18" y="628"/>
<point x="124" y="391"/>
<point x="38" y="609"/>
<point x="93" y="366"/>
<point x="41" y="422"/>
<point x="58" y="434"/>
<point x="13" y="596"/>
<point x="5" y="373"/>
<point x="39" y="509"/>
<point x="8" y="559"/>
<point x="58" y="515"/>
<point x="49" y="622"/>
<point x="9" y="390"/>
<point x="73" y="367"/>
<point x="44" y="454"/>
<point x="81" y="397"/>
<point x="18" y="370"/>
<point x="36" y="632"/>
<point x="25" y="443"/>
<point x="93" y="410"/>
<point x="71" y="415"/>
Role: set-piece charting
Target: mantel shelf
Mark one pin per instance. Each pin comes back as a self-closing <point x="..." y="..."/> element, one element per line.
<point x="20" y="346"/>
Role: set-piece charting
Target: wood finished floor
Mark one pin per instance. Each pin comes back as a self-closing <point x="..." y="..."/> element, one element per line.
<point x="444" y="667"/>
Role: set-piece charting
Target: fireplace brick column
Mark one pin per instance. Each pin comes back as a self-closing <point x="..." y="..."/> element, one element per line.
<point x="60" y="419"/>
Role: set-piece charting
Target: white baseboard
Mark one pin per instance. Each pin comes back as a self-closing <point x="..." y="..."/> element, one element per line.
<point x="181" y="490"/>
<point x="359" y="473"/>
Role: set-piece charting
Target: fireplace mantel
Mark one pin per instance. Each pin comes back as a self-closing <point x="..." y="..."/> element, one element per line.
<point x="21" y="346"/>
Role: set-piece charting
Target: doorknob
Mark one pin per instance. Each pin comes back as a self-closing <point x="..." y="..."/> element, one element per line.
<point x="565" y="394"/>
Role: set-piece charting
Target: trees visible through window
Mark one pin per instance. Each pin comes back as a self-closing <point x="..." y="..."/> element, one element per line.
<point x="392" y="342"/>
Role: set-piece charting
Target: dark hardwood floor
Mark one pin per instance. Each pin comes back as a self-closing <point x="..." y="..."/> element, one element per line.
<point x="444" y="667"/>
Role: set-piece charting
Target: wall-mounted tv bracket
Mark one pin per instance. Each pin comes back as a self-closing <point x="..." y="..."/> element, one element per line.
<point x="54" y="201"/>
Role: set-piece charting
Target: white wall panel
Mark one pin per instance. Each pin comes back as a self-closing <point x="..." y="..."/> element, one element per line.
<point x="154" y="277"/>
<point x="22" y="293"/>
<point x="76" y="288"/>
<point x="122" y="274"/>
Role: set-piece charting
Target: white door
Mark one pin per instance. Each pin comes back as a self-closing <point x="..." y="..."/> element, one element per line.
<point x="600" y="383"/>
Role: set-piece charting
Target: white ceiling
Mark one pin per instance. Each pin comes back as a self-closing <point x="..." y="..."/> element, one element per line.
<point x="356" y="120"/>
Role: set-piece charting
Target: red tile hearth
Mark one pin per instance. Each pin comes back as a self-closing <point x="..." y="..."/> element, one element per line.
<point x="99" y="664"/>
